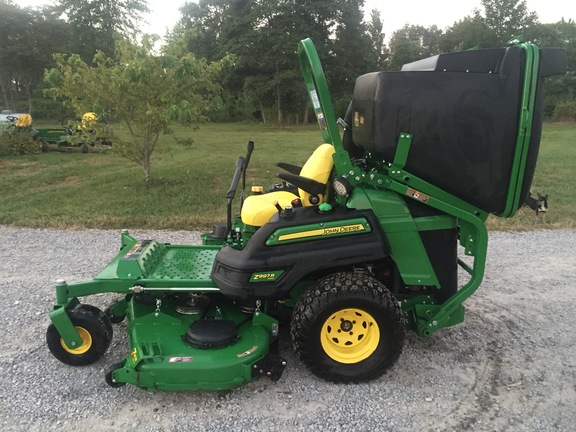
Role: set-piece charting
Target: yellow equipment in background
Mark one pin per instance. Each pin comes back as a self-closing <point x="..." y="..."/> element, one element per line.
<point x="24" y="120"/>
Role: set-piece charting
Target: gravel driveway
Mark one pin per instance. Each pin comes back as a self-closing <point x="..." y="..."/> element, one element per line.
<point x="510" y="366"/>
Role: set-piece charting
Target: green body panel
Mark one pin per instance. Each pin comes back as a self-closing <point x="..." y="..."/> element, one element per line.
<point x="159" y="359"/>
<point x="402" y="234"/>
<point x="53" y="135"/>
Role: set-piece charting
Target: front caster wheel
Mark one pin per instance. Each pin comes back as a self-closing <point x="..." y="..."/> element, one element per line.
<point x="95" y="330"/>
<point x="348" y="327"/>
<point x="109" y="377"/>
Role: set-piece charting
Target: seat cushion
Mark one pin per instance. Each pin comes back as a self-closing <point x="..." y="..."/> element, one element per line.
<point x="258" y="209"/>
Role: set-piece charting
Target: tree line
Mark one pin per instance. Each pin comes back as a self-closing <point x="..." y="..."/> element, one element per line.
<point x="258" y="38"/>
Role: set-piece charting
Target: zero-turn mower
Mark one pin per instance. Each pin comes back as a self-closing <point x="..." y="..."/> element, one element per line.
<point x="360" y="244"/>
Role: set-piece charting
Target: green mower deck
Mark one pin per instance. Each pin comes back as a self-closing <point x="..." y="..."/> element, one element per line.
<point x="160" y="359"/>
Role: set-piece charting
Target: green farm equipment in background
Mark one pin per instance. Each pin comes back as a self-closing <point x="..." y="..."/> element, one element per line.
<point x="76" y="135"/>
<point x="358" y="245"/>
<point x="81" y="134"/>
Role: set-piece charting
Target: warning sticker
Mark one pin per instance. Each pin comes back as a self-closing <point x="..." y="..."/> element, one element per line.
<point x="137" y="249"/>
<point x="315" y="100"/>
<point x="180" y="360"/>
<point x="322" y="121"/>
<point x="413" y="193"/>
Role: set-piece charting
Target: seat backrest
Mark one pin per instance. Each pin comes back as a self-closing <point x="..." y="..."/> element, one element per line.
<point x="318" y="168"/>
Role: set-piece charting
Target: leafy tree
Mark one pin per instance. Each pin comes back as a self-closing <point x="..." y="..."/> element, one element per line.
<point x="28" y="39"/>
<point x="96" y="23"/>
<point x="262" y="35"/>
<point x="507" y="18"/>
<point x="412" y="43"/>
<point x="352" y="49"/>
<point x="469" y="32"/>
<point x="199" y="29"/>
<point x="560" y="91"/>
<point x="144" y="91"/>
<point x="375" y="32"/>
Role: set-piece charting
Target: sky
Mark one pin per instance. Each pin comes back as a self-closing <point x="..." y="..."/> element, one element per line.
<point x="164" y="13"/>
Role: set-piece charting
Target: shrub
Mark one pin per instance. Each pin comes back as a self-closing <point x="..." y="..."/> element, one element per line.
<point x="565" y="111"/>
<point x="18" y="143"/>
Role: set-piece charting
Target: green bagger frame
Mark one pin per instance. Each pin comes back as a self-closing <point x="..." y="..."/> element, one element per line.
<point x="351" y="249"/>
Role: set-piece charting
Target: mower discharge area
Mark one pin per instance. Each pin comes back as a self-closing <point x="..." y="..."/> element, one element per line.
<point x="358" y="245"/>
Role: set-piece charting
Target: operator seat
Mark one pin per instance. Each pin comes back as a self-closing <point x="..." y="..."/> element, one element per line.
<point x="24" y="120"/>
<point x="258" y="209"/>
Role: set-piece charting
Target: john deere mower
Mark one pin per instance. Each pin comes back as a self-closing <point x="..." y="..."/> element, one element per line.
<point x="358" y="245"/>
<point x="82" y="133"/>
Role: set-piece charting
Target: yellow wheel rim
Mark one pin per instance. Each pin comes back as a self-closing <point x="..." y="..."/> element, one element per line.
<point x="350" y="336"/>
<point x="86" y="342"/>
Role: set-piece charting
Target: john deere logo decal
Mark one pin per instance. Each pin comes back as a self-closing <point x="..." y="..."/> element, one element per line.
<point x="333" y="231"/>
<point x="319" y="231"/>
<point x="342" y="229"/>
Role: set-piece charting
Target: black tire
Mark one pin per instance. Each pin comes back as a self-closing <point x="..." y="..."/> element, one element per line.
<point x="95" y="329"/>
<point x="108" y="376"/>
<point x="368" y="338"/>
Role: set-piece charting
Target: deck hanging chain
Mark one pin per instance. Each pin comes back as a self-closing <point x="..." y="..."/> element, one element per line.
<point x="158" y="304"/>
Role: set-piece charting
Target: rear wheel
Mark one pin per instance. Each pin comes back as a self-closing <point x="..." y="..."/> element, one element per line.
<point x="348" y="327"/>
<point x="95" y="330"/>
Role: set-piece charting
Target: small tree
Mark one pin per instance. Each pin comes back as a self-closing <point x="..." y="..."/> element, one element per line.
<point x="144" y="91"/>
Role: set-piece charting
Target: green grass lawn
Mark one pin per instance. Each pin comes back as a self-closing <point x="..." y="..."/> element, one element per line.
<point x="103" y="190"/>
<point x="73" y="190"/>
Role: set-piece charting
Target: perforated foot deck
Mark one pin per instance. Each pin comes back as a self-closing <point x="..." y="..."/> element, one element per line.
<point x="185" y="263"/>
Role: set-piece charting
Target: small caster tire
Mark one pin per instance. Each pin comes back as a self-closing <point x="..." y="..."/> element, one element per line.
<point x="109" y="378"/>
<point x="95" y="330"/>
